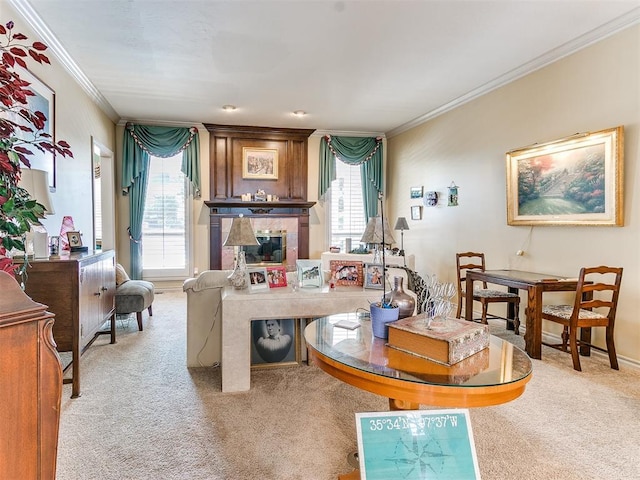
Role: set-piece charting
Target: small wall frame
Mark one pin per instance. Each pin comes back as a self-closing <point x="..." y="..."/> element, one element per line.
<point x="416" y="212"/>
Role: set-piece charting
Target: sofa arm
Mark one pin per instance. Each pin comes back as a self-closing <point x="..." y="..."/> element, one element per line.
<point x="204" y="317"/>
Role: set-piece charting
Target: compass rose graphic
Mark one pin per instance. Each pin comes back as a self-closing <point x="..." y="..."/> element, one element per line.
<point x="415" y="459"/>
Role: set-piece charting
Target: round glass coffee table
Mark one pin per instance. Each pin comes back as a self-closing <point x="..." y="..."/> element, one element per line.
<point x="495" y="375"/>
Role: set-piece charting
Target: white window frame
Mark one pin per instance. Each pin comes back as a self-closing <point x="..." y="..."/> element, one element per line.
<point x="160" y="274"/>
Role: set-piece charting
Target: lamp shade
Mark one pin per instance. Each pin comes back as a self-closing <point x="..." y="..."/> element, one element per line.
<point x="241" y="233"/>
<point x="373" y="232"/>
<point x="401" y="224"/>
<point x="36" y="182"/>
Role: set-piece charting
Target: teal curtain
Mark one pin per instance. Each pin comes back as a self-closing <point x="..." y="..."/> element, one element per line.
<point x="139" y="142"/>
<point x="363" y="151"/>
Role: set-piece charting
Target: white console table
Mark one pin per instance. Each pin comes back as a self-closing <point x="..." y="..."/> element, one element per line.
<point x="239" y="307"/>
<point x="390" y="260"/>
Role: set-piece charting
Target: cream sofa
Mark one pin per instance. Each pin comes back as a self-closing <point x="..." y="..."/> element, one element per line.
<point x="204" y="317"/>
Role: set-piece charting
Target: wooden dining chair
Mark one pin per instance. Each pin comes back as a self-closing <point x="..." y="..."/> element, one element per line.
<point x="475" y="261"/>
<point x="598" y="287"/>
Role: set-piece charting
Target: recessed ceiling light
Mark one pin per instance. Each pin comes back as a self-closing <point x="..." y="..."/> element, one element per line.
<point x="228" y="108"/>
<point x="299" y="113"/>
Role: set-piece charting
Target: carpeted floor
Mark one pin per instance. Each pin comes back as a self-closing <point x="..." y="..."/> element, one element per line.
<point x="144" y="415"/>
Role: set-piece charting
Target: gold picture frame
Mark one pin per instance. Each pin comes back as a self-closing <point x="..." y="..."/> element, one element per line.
<point x="577" y="180"/>
<point x="259" y="163"/>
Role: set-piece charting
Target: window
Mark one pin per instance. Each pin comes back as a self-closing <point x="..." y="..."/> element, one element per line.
<point x="346" y="213"/>
<point x="164" y="225"/>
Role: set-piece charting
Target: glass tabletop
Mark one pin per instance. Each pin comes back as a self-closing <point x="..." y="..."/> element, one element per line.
<point x="501" y="363"/>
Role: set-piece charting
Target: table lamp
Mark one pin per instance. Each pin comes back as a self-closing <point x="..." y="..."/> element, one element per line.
<point x="402" y="225"/>
<point x="36" y="183"/>
<point x="373" y="234"/>
<point x="240" y="235"/>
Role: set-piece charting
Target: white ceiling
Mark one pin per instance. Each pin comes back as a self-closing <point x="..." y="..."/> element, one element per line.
<point x="354" y="66"/>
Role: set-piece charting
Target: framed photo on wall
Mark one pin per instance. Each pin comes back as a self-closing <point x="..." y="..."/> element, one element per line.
<point x="416" y="212"/>
<point x="259" y="163"/>
<point x="577" y="180"/>
<point x="43" y="101"/>
<point x="274" y="342"/>
<point x="417" y="192"/>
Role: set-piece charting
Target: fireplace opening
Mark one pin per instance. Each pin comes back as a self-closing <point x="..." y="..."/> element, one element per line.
<point x="271" y="251"/>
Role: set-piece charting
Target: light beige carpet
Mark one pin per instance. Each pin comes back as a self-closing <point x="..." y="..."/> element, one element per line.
<point x="144" y="415"/>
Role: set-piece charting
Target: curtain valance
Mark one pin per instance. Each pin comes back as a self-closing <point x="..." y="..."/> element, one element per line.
<point x="363" y="151"/>
<point x="140" y="141"/>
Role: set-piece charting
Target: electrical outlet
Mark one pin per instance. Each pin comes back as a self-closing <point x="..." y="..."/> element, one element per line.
<point x="520" y="253"/>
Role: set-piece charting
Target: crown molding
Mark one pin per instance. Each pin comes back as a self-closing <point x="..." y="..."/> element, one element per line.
<point x="346" y="133"/>
<point x="34" y="21"/>
<point x="629" y="19"/>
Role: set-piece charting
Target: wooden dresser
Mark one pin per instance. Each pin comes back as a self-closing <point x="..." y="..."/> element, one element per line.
<point x="79" y="289"/>
<point x="30" y="386"/>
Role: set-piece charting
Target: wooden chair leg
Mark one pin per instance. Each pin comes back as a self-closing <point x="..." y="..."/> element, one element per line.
<point x="516" y="318"/>
<point x="484" y="313"/>
<point x="150" y="311"/>
<point x="565" y="338"/>
<point x="113" y="328"/>
<point x="611" y="349"/>
<point x="139" y="318"/>
<point x="573" y="344"/>
<point x="459" y="311"/>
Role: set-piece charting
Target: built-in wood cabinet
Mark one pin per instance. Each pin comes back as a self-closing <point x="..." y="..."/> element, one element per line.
<point x="80" y="290"/>
<point x="30" y="386"/>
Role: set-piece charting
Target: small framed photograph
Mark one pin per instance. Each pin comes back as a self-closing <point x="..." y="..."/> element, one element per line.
<point x="417" y="192"/>
<point x="276" y="277"/>
<point x="347" y="272"/>
<point x="309" y="273"/>
<point x="75" y="239"/>
<point x="373" y="275"/>
<point x="431" y="199"/>
<point x="258" y="279"/>
<point x="416" y="212"/>
<point x="274" y="342"/>
<point x="259" y="163"/>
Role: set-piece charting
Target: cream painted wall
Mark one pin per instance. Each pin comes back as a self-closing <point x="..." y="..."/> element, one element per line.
<point x="78" y="118"/>
<point x="594" y="89"/>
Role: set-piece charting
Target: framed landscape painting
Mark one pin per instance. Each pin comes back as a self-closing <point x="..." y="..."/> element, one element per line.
<point x="573" y="181"/>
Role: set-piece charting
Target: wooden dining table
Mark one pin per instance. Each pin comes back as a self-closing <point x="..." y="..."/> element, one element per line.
<point x="536" y="284"/>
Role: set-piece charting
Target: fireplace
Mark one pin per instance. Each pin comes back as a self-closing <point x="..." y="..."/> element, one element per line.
<point x="271" y="251"/>
<point x="290" y="218"/>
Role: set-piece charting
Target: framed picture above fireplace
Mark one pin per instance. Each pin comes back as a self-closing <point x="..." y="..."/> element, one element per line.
<point x="259" y="163"/>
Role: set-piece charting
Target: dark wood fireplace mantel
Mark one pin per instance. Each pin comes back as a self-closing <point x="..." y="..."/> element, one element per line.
<point x="231" y="208"/>
<point x="227" y="146"/>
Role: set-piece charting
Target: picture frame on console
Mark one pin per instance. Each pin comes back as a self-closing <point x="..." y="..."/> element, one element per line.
<point x="577" y="180"/>
<point x="309" y="273"/>
<point x="373" y="276"/>
<point x="347" y="272"/>
<point x="274" y="343"/>
<point x="277" y="277"/>
<point x="259" y="163"/>
<point x="257" y="279"/>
